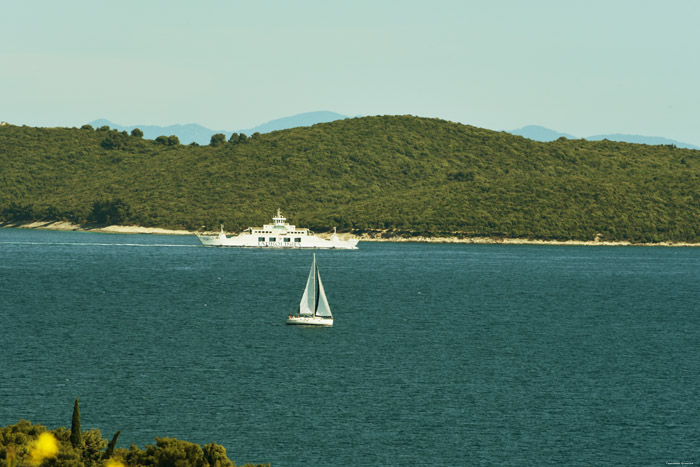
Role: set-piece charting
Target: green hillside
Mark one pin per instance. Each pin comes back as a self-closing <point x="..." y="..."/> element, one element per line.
<point x="406" y="174"/>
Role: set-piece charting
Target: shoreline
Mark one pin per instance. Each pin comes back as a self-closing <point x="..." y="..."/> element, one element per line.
<point x="134" y="229"/>
<point x="67" y="226"/>
<point x="522" y="241"/>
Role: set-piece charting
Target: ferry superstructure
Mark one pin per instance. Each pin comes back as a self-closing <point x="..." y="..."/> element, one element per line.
<point x="279" y="234"/>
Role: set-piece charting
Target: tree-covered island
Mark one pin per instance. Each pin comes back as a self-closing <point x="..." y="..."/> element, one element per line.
<point x="399" y="175"/>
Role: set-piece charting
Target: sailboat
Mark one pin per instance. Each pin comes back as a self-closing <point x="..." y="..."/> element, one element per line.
<point x="314" y="309"/>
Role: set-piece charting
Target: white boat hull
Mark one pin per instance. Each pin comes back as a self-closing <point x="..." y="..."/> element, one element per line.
<point x="310" y="321"/>
<point x="279" y="234"/>
<point x="252" y="241"/>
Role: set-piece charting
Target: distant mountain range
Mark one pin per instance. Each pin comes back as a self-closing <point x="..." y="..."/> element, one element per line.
<point x="193" y="132"/>
<point x="186" y="133"/>
<point x="304" y="119"/>
<point x="540" y="133"/>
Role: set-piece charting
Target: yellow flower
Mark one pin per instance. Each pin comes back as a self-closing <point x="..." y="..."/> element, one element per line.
<point x="45" y="446"/>
<point x="114" y="463"/>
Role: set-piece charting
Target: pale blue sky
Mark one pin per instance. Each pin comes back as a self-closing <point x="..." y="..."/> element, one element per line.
<point x="581" y="67"/>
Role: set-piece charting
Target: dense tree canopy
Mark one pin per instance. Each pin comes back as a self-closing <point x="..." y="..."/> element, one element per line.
<point x="217" y="140"/>
<point x="405" y="174"/>
<point x="19" y="446"/>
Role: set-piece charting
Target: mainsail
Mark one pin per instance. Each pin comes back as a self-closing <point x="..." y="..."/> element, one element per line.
<point x="307" y="306"/>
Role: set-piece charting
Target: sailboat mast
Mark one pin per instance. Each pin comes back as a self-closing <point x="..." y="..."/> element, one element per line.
<point x="316" y="285"/>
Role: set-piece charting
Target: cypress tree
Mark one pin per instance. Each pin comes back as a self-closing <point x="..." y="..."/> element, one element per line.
<point x="75" y="435"/>
<point x="111" y="445"/>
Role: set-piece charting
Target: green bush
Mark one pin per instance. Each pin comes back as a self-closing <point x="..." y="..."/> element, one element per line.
<point x="110" y="212"/>
<point x="16" y="445"/>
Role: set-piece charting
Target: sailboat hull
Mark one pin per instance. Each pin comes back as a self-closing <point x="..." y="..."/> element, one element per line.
<point x="310" y="321"/>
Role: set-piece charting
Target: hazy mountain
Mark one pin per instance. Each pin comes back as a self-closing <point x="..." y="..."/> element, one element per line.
<point x="193" y="132"/>
<point x="303" y="119"/>
<point x="539" y="133"/>
<point x="652" y="140"/>
<point x="186" y="133"/>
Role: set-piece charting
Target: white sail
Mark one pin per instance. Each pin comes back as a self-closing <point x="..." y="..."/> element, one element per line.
<point x="313" y="308"/>
<point x="308" y="300"/>
<point x="323" y="308"/>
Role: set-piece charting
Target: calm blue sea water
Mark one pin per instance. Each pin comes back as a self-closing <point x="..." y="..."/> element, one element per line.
<point x="440" y="354"/>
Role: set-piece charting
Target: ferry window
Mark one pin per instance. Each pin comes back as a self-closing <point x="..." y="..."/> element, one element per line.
<point x="273" y="239"/>
<point x="297" y="239"/>
<point x="261" y="239"/>
<point x="287" y="239"/>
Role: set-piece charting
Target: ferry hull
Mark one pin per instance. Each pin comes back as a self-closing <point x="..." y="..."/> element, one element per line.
<point x="242" y="242"/>
<point x="279" y="234"/>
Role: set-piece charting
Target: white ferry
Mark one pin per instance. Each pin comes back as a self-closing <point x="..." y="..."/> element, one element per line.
<point x="279" y="234"/>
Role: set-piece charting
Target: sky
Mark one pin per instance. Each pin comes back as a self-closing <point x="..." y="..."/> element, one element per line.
<point x="580" y="67"/>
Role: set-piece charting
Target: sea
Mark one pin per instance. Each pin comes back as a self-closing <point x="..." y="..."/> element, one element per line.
<point x="441" y="354"/>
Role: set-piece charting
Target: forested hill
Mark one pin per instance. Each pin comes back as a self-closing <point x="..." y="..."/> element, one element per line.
<point x="405" y="174"/>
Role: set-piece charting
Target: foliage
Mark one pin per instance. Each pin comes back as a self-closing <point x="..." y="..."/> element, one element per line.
<point x="171" y="140"/>
<point x="75" y="431"/>
<point x="237" y="138"/>
<point x="137" y="133"/>
<point x="17" y="441"/>
<point x="115" y="140"/>
<point x="400" y="175"/>
<point x="110" y="212"/>
<point x="18" y="212"/>
<point x="173" y="452"/>
<point x="217" y="140"/>
<point x="112" y="444"/>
